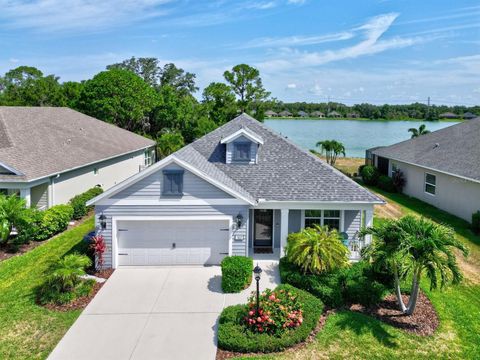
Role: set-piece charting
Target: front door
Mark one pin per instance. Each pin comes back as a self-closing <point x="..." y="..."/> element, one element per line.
<point x="263" y="229"/>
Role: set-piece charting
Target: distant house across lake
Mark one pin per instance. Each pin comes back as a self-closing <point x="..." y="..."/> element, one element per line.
<point x="353" y="116"/>
<point x="317" y="114"/>
<point x="270" y="113"/>
<point x="303" y="114"/>
<point x="285" y="113"/>
<point x="334" y="114"/>
<point x="448" y="115"/>
<point x="469" y="116"/>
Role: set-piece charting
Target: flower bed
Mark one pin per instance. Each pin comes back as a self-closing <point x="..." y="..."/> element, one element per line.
<point x="293" y="315"/>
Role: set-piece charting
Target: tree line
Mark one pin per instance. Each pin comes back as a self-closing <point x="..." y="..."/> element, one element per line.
<point x="142" y="96"/>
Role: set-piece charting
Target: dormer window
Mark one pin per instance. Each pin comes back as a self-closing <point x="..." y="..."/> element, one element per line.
<point x="242" y="147"/>
<point x="242" y="151"/>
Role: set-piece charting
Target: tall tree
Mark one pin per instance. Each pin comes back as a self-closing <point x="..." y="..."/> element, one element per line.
<point x="147" y="68"/>
<point x="72" y="91"/>
<point x="119" y="97"/>
<point x="219" y="102"/>
<point x="169" y="142"/>
<point x="422" y="130"/>
<point x="331" y="148"/>
<point x="247" y="84"/>
<point x="177" y="78"/>
<point x="411" y="247"/>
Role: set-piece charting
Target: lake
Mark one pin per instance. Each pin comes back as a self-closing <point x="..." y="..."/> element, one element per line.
<point x="356" y="135"/>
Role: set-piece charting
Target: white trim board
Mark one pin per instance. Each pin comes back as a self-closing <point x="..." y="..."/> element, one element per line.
<point x="242" y="132"/>
<point x="170" y="202"/>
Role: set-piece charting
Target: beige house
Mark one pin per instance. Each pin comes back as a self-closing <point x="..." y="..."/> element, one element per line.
<point x="441" y="168"/>
<point x="48" y="155"/>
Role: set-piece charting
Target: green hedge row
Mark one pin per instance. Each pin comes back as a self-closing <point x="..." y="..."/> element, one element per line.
<point x="358" y="283"/>
<point x="236" y="273"/>
<point x="78" y="202"/>
<point x="233" y="336"/>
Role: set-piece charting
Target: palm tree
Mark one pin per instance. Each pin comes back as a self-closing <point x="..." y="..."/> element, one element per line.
<point x="316" y="249"/>
<point x="422" y="130"/>
<point x="12" y="214"/>
<point x="413" y="246"/>
<point x="67" y="271"/>
<point x="332" y="149"/>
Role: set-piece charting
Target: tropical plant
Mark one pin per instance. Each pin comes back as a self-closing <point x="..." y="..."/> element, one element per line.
<point x="422" y="130"/>
<point x="398" y="179"/>
<point x="410" y="247"/>
<point x="98" y="246"/>
<point x="316" y="249"/>
<point x="369" y="174"/>
<point x="331" y="148"/>
<point x="12" y="215"/>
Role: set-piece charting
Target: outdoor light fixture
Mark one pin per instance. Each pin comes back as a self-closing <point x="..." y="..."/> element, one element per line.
<point x="257" y="271"/>
<point x="103" y="222"/>
<point x="239" y="220"/>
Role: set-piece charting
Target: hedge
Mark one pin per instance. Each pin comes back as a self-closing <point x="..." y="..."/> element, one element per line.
<point x="53" y="221"/>
<point x="369" y="174"/>
<point x="359" y="283"/>
<point x="78" y="202"/>
<point x="236" y="273"/>
<point x="386" y="183"/>
<point x="233" y="336"/>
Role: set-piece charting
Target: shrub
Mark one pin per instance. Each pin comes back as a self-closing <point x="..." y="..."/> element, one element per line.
<point x="316" y="250"/>
<point x="233" y="336"/>
<point x="278" y="312"/>
<point x="12" y="215"/>
<point x="369" y="175"/>
<point x="476" y="222"/>
<point x="399" y="180"/>
<point x="98" y="246"/>
<point x="236" y="273"/>
<point x="64" y="284"/>
<point x="78" y="202"/>
<point x="28" y="230"/>
<point x="327" y="286"/>
<point x="386" y="183"/>
<point x="54" y="220"/>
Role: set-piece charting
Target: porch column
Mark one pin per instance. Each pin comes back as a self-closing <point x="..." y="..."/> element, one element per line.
<point x="283" y="230"/>
<point x="368" y="223"/>
<point x="25" y="194"/>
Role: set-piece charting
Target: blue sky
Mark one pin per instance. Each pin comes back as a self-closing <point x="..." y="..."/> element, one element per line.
<point x="307" y="50"/>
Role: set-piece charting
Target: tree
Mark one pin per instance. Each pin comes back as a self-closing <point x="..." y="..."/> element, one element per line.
<point x="219" y="102"/>
<point x="422" y="130"/>
<point x="247" y="85"/>
<point x="316" y="249"/>
<point x="146" y="68"/>
<point x="332" y="149"/>
<point x="72" y="91"/>
<point x="181" y="81"/>
<point x="410" y="247"/>
<point x="169" y="142"/>
<point x="119" y="97"/>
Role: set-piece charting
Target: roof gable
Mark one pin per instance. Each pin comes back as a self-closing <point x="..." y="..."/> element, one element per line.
<point x="245" y="133"/>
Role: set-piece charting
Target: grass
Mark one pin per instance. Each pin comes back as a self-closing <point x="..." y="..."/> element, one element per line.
<point x="28" y="331"/>
<point x="352" y="335"/>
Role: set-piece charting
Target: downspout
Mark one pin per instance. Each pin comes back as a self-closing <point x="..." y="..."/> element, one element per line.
<point x="53" y="189"/>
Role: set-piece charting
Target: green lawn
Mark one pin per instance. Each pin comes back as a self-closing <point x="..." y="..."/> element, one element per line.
<point x="356" y="336"/>
<point x="28" y="331"/>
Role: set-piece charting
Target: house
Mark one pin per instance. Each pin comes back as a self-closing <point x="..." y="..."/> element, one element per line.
<point x="448" y="115"/>
<point x="469" y="116"/>
<point x="239" y="190"/>
<point x="48" y="155"/>
<point x="303" y="114"/>
<point x="285" y="113"/>
<point x="318" y="114"/>
<point x="352" y="115"/>
<point x="270" y="113"/>
<point x="334" y="114"/>
<point x="441" y="168"/>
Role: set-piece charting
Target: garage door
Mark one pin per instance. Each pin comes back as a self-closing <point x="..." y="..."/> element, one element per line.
<point x="167" y="242"/>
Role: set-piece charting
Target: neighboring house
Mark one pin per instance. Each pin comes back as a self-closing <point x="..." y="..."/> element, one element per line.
<point x="270" y="113"/>
<point x="303" y="114"/>
<point x="442" y="168"/>
<point x="334" y="114"/>
<point x="353" y="115"/>
<point x="239" y="190"/>
<point x="318" y="114"/>
<point x="448" y="115"/>
<point x="48" y="155"/>
<point x="469" y="116"/>
<point x="285" y="113"/>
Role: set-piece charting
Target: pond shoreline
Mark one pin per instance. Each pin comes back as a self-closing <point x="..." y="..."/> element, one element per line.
<point x="367" y="119"/>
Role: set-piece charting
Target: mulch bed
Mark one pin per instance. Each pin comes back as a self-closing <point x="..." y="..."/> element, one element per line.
<point x="83" y="301"/>
<point x="224" y="354"/>
<point x="7" y="251"/>
<point x="423" y="322"/>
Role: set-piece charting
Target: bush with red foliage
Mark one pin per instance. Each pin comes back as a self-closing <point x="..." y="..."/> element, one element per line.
<point x="98" y="246"/>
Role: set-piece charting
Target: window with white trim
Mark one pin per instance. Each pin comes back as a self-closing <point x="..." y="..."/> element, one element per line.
<point x="148" y="156"/>
<point x="330" y="218"/>
<point x="242" y="151"/>
<point x="430" y="184"/>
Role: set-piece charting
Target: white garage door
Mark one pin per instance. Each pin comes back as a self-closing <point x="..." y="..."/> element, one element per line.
<point x="167" y="242"/>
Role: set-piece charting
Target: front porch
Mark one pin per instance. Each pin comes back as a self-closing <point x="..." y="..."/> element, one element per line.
<point x="269" y="227"/>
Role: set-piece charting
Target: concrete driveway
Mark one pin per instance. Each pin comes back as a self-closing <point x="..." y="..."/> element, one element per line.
<point x="155" y="313"/>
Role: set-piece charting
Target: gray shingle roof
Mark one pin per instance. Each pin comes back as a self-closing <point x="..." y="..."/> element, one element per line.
<point x="284" y="172"/>
<point x="454" y="149"/>
<point x="41" y="141"/>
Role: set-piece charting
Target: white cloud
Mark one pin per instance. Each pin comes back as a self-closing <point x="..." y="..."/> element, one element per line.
<point x="292" y="86"/>
<point x="60" y="15"/>
<point x="297" y="2"/>
<point x="298" y="40"/>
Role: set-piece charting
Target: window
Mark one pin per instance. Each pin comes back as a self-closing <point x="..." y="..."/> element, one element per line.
<point x="330" y="218"/>
<point x="241" y="151"/>
<point x="394" y="168"/>
<point x="173" y="182"/>
<point x="430" y="183"/>
<point x="148" y="157"/>
<point x="313" y="217"/>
